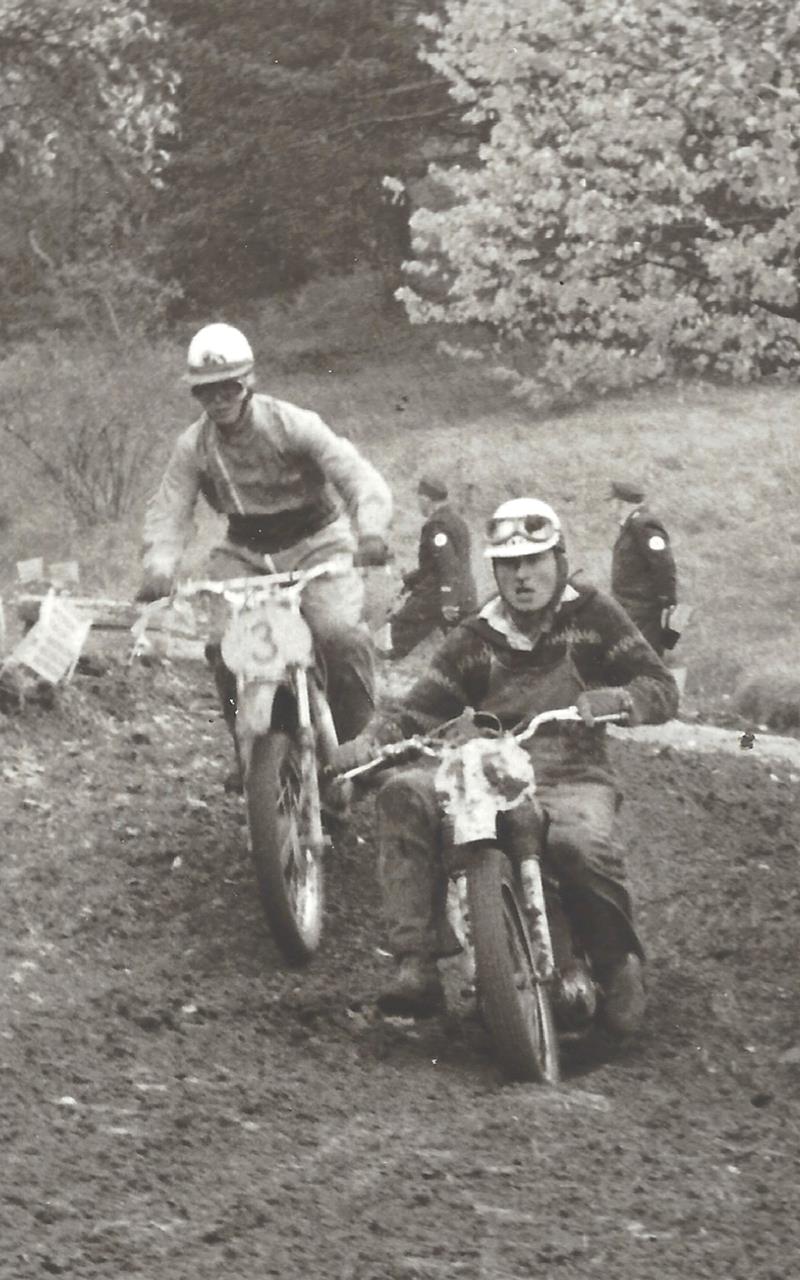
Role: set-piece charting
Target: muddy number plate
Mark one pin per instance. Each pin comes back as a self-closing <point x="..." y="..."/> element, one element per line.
<point x="249" y="646"/>
<point x="259" y="643"/>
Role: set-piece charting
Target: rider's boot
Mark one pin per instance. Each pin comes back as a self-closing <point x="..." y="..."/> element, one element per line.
<point x="624" y="995"/>
<point x="574" y="997"/>
<point x="415" y="990"/>
<point x="335" y="799"/>
<point x="233" y="784"/>
<point x="574" y="993"/>
<point x="414" y="888"/>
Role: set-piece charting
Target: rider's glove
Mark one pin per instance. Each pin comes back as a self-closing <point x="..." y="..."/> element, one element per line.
<point x="451" y="614"/>
<point x="603" y="702"/>
<point x="154" y="587"/>
<point x="351" y="754"/>
<point x="371" y="550"/>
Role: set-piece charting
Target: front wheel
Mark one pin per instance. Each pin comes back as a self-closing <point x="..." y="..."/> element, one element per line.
<point x="283" y="814"/>
<point x="514" y="1003"/>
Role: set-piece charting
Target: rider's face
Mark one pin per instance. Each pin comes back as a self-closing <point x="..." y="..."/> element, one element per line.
<point x="222" y="401"/>
<point x="527" y="583"/>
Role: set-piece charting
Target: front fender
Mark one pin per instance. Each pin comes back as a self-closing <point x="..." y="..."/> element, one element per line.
<point x="261" y="706"/>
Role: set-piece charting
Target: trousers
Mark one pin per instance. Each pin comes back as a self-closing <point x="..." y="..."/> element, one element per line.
<point x="417" y="617"/>
<point x="647" y="618"/>
<point x="579" y="849"/>
<point x="333" y="608"/>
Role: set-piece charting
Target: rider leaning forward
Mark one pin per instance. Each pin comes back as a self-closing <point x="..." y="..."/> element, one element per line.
<point x="294" y="494"/>
<point x="544" y="641"/>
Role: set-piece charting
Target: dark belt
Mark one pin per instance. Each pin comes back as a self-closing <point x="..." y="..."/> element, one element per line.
<point x="642" y="603"/>
<point x="276" y="530"/>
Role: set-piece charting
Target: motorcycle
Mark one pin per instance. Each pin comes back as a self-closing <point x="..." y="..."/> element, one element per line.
<point x="284" y="734"/>
<point x="503" y="903"/>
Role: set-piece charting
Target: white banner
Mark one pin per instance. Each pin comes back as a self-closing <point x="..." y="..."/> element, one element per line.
<point x="64" y="573"/>
<point x="30" y="570"/>
<point x="53" y="645"/>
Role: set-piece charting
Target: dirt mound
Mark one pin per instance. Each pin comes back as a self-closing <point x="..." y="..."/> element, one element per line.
<point x="178" y="1104"/>
<point x="770" y="698"/>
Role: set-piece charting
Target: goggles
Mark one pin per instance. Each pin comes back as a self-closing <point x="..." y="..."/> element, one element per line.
<point x="228" y="389"/>
<point x="537" y="529"/>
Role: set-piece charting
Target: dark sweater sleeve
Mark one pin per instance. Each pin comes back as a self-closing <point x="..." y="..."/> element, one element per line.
<point x="613" y="652"/>
<point x="457" y="677"/>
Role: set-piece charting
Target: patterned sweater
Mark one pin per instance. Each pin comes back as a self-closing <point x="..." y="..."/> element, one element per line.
<point x="588" y="642"/>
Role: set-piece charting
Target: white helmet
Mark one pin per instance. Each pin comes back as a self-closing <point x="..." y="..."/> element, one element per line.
<point x="217" y="352"/>
<point x="522" y="527"/>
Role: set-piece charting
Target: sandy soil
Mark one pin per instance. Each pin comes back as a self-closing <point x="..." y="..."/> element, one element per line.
<point x="177" y="1105"/>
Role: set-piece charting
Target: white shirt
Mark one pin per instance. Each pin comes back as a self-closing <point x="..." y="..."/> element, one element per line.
<point x="499" y="619"/>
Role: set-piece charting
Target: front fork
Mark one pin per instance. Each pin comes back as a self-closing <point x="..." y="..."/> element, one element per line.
<point x="255" y="708"/>
<point x="307" y="743"/>
<point x="457" y="908"/>
<point x="530" y="874"/>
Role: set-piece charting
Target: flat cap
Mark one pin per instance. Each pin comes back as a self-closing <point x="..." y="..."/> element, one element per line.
<point x="626" y="490"/>
<point x="432" y="487"/>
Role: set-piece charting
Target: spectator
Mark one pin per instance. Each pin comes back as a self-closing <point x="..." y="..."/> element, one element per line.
<point x="441" y="590"/>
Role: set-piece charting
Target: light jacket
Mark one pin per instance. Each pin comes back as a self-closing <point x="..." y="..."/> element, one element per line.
<point x="281" y="463"/>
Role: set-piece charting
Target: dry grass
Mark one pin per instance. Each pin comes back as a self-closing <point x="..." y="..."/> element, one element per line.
<point x="719" y="465"/>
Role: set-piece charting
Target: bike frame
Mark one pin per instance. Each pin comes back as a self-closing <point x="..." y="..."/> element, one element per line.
<point x="528" y="869"/>
<point x="268" y="646"/>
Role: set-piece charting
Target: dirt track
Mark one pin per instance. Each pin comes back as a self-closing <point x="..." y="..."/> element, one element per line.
<point x="177" y="1106"/>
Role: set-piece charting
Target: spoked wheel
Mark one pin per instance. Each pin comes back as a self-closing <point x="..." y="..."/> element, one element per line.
<point x="515" y="1005"/>
<point x="288" y="866"/>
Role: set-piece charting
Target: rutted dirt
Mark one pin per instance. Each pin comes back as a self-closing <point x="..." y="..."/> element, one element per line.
<point x="178" y="1106"/>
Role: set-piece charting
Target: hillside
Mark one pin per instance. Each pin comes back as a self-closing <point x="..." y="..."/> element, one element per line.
<point x="719" y="463"/>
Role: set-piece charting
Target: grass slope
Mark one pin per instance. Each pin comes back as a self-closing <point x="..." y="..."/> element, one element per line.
<point x="719" y="463"/>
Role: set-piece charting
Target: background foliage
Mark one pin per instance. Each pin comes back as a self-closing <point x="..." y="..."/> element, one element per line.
<point x="635" y="208"/>
<point x="608" y="193"/>
<point x="292" y="112"/>
<point x="170" y="148"/>
<point x="88" y="97"/>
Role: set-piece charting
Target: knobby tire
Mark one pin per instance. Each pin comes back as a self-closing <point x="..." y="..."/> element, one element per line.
<point x="516" y="1007"/>
<point x="275" y="811"/>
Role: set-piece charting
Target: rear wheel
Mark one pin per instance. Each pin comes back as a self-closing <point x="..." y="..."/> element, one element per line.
<point x="281" y="796"/>
<point x="515" y="1005"/>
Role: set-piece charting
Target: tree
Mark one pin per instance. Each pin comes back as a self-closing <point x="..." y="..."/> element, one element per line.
<point x="87" y="101"/>
<point x="635" y="206"/>
<point x="292" y="113"/>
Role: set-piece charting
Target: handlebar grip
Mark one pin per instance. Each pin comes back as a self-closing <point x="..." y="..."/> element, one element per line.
<point x="393" y="754"/>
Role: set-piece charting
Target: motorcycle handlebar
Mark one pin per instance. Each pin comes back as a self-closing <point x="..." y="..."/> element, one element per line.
<point x="291" y="578"/>
<point x="394" y="751"/>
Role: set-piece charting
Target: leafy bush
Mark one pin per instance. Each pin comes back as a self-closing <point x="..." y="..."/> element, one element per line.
<point x="88" y="101"/>
<point x="634" y="206"/>
<point x="771" y="698"/>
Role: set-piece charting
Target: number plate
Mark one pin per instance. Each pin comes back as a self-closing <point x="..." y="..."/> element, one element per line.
<point x="262" y="639"/>
<point x="480" y="779"/>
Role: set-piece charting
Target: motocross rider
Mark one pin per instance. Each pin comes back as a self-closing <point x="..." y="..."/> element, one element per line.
<point x="294" y="494"/>
<point x="544" y="641"/>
